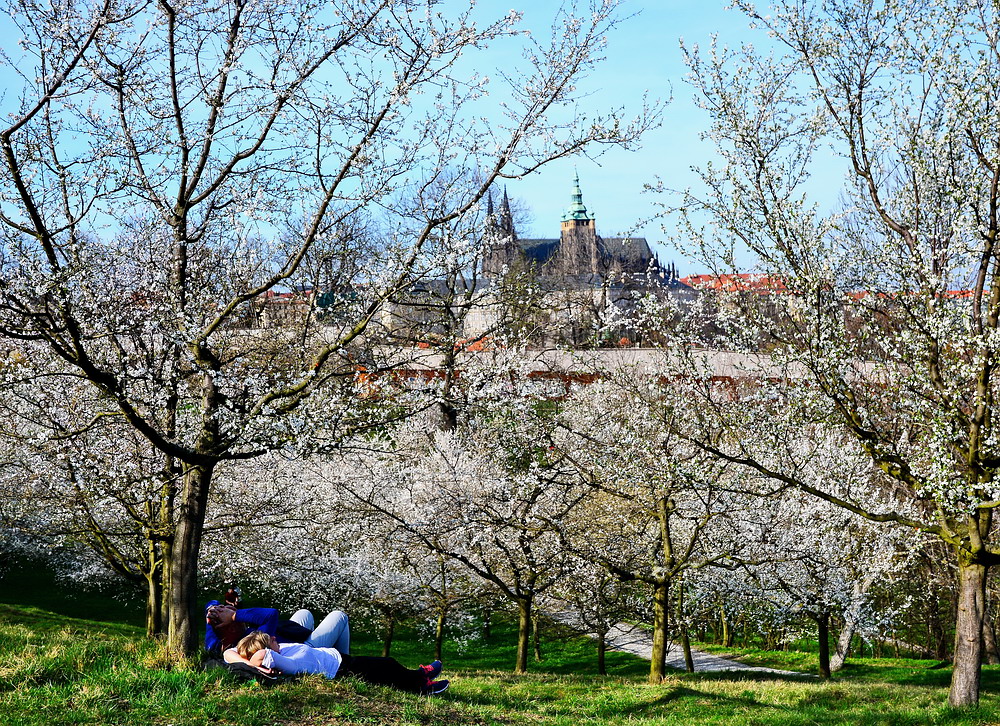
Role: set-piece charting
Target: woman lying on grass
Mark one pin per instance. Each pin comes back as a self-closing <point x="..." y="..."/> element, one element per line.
<point x="263" y="651"/>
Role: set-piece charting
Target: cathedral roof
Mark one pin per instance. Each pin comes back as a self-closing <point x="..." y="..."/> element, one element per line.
<point x="629" y="251"/>
<point x="538" y="250"/>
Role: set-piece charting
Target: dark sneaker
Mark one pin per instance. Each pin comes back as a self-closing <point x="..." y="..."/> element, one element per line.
<point x="432" y="671"/>
<point x="435" y="687"/>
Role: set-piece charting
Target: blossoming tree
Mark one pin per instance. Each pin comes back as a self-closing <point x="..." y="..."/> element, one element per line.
<point x="169" y="168"/>
<point x="888" y="307"/>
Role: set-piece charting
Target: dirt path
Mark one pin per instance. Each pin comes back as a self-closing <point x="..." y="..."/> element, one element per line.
<point x="639" y="641"/>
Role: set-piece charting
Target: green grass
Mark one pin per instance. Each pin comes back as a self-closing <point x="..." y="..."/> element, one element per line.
<point x="32" y="584"/>
<point x="56" y="669"/>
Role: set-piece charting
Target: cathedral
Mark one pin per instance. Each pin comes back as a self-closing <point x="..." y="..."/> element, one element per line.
<point x="579" y="255"/>
<point x="585" y="288"/>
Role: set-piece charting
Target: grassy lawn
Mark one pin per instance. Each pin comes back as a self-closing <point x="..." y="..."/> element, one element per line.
<point x="56" y="669"/>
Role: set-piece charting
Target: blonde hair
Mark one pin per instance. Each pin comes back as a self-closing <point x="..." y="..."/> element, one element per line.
<point x="257" y="640"/>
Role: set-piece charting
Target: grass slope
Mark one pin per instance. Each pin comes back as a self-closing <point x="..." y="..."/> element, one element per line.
<point x="60" y="670"/>
<point x="57" y="669"/>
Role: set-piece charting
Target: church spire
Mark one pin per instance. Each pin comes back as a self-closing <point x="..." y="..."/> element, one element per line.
<point x="505" y="221"/>
<point x="501" y="249"/>
<point x="576" y="209"/>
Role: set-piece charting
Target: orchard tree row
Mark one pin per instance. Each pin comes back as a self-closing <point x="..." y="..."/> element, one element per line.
<point x="588" y="510"/>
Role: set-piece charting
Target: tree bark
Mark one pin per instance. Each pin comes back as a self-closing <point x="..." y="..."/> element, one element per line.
<point x="165" y="588"/>
<point x="182" y="636"/>
<point x="154" y="604"/>
<point x="727" y="633"/>
<point x="536" y="642"/>
<point x="939" y="639"/>
<point x="967" y="667"/>
<point x="851" y="617"/>
<point x="658" y="658"/>
<point x="387" y="635"/>
<point x="602" y="648"/>
<point x="688" y="656"/>
<point x="843" y="648"/>
<point x="682" y="623"/>
<point x="439" y="634"/>
<point x="523" y="634"/>
<point x="823" y="621"/>
<point x="991" y="653"/>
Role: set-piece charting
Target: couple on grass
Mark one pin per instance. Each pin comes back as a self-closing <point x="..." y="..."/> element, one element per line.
<point x="257" y="637"/>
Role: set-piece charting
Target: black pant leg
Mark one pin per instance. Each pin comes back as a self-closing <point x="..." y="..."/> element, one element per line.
<point x="382" y="672"/>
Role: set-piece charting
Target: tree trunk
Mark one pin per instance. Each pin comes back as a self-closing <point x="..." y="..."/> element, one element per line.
<point x="823" y="621"/>
<point x="602" y="648"/>
<point x="727" y="634"/>
<point x="658" y="658"/>
<point x="154" y="604"/>
<point x="688" y="656"/>
<point x="843" y="648"/>
<point x="165" y="589"/>
<point x="523" y="634"/>
<point x="939" y="640"/>
<point x="173" y="473"/>
<point x="968" y="634"/>
<point x="851" y="617"/>
<point x="991" y="653"/>
<point x="447" y="412"/>
<point x="439" y="634"/>
<point x="185" y="621"/>
<point x="536" y="643"/>
<point x="487" y="621"/>
<point x="682" y="623"/>
<point x="387" y="635"/>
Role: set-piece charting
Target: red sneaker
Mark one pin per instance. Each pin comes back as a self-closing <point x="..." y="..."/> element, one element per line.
<point x="432" y="671"/>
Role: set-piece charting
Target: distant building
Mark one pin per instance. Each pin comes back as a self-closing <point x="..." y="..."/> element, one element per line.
<point x="584" y="287"/>
<point x="578" y="257"/>
<point x="737" y="282"/>
<point x="579" y="289"/>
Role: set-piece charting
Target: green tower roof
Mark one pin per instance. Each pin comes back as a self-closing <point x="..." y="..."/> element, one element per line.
<point x="576" y="209"/>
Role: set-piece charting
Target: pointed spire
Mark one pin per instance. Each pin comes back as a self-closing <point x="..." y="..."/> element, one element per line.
<point x="489" y="204"/>
<point x="576" y="209"/>
<point x="505" y="220"/>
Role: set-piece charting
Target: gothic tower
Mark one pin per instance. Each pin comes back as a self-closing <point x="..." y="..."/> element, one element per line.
<point x="578" y="251"/>
<point x="500" y="248"/>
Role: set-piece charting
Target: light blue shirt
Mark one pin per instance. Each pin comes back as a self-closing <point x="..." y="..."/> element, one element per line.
<point x="302" y="658"/>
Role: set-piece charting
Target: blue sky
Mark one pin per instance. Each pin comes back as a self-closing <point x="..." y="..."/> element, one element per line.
<point x="643" y="55"/>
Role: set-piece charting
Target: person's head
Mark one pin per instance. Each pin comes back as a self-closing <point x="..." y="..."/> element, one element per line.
<point x="250" y="644"/>
<point x="233" y="596"/>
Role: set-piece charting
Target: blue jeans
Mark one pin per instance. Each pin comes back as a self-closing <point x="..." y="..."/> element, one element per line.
<point x="334" y="631"/>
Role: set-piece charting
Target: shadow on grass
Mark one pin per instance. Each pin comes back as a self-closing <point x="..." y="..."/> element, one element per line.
<point x="563" y="654"/>
<point x="33" y="584"/>
<point x="755" y="676"/>
<point x="47" y="621"/>
<point x="674" y="695"/>
<point x="928" y="674"/>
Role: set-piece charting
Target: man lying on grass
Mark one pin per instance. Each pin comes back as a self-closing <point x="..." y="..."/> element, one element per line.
<point x="227" y="622"/>
<point x="264" y="652"/>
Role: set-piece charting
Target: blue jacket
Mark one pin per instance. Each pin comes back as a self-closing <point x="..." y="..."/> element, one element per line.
<point x="264" y="619"/>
